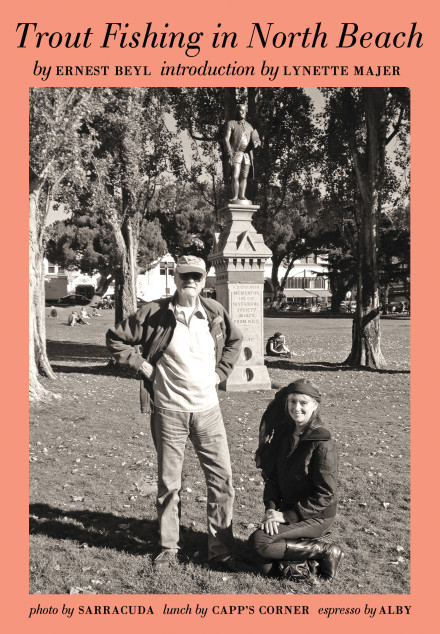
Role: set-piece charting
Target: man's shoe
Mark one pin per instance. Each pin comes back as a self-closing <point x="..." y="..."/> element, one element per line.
<point x="166" y="557"/>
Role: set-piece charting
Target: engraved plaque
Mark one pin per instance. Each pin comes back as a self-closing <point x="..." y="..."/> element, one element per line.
<point x="246" y="310"/>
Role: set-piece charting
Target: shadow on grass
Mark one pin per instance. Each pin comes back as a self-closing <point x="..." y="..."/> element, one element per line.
<point x="105" y="530"/>
<point x="104" y="370"/>
<point x="72" y="351"/>
<point x="92" y="529"/>
<point x="89" y="353"/>
<point x="319" y="366"/>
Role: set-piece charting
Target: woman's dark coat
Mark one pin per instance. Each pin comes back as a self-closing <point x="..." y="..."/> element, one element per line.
<point x="300" y="471"/>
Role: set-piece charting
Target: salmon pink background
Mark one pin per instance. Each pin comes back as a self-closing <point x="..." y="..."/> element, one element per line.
<point x="418" y="70"/>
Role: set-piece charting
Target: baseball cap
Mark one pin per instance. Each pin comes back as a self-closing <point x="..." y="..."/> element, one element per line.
<point x="189" y="264"/>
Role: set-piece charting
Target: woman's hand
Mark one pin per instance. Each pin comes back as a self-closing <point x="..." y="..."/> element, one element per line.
<point x="271" y="520"/>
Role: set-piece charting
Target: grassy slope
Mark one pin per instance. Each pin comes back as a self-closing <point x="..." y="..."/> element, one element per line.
<point x="93" y="465"/>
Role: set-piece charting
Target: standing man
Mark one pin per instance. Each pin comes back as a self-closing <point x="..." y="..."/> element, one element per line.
<point x="189" y="345"/>
<point x="240" y="139"/>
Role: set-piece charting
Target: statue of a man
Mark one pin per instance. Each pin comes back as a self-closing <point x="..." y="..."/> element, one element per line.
<point x="240" y="139"/>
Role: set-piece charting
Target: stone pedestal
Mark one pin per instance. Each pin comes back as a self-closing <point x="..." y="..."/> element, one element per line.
<point x="238" y="256"/>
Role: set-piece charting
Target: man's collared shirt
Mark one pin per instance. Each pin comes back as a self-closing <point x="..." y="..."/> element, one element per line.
<point x="185" y="378"/>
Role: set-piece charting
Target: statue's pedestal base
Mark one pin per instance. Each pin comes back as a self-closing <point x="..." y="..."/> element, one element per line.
<point x="239" y="201"/>
<point x="239" y="255"/>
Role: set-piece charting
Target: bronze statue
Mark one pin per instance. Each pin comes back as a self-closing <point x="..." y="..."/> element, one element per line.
<point x="240" y="139"/>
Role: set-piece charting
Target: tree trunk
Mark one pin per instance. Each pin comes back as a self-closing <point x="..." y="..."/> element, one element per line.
<point x="386" y="291"/>
<point x="36" y="391"/>
<point x="366" y="350"/>
<point x="338" y="295"/>
<point x="125" y="273"/>
<point x="286" y="274"/>
<point x="104" y="281"/>
<point x="366" y="337"/>
<point x="38" y="360"/>
<point x="274" y="277"/>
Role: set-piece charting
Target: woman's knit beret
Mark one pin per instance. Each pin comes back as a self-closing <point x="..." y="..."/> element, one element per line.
<point x="303" y="386"/>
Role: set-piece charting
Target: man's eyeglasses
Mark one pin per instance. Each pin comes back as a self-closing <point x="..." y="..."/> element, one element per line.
<point x="191" y="276"/>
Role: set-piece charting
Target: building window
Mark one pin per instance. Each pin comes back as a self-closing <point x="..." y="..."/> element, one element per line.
<point x="167" y="265"/>
<point x="51" y="268"/>
<point x="305" y="282"/>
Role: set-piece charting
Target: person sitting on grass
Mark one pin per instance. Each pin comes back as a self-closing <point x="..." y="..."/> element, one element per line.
<point x="299" y="460"/>
<point x="73" y="318"/>
<point x="276" y="346"/>
<point x="81" y="318"/>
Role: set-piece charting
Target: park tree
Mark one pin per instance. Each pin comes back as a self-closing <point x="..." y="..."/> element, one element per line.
<point x="292" y="236"/>
<point x="134" y="154"/>
<point x="393" y="255"/>
<point x="361" y="122"/>
<point x="84" y="246"/>
<point x="58" y="150"/>
<point x="84" y="243"/>
<point x="338" y="249"/>
<point x="185" y="220"/>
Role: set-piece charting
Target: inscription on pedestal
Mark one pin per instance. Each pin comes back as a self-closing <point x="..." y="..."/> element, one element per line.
<point x="246" y="309"/>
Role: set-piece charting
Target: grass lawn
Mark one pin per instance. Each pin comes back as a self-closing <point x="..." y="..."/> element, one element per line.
<point x="93" y="525"/>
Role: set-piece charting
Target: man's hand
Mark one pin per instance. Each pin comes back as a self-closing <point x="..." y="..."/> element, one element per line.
<point x="148" y="371"/>
<point x="271" y="520"/>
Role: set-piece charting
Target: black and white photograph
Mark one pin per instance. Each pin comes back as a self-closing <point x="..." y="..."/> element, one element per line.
<point x="220" y="308"/>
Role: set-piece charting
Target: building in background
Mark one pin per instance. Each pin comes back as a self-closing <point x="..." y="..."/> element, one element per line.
<point x="157" y="281"/>
<point x="56" y="282"/>
<point x="307" y="284"/>
<point x="153" y="284"/>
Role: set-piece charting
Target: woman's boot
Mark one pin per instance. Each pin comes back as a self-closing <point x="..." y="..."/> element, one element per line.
<point x="328" y="556"/>
<point x="298" y="570"/>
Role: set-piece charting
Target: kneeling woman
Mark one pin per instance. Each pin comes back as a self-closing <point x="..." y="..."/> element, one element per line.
<point x="299" y="462"/>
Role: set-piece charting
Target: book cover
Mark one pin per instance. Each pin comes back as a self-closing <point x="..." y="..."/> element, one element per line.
<point x="280" y="44"/>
